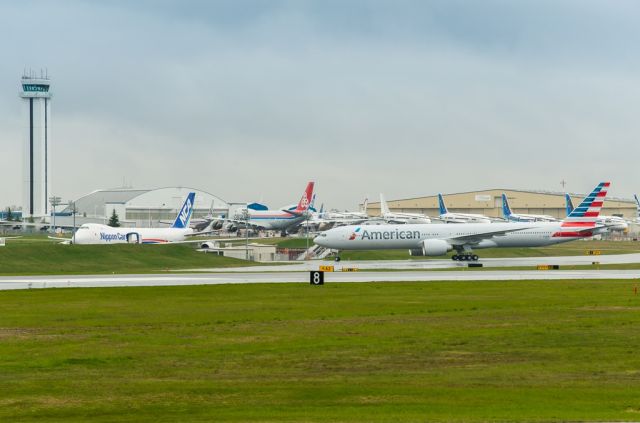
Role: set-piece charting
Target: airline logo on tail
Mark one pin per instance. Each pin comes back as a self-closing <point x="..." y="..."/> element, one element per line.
<point x="443" y="208"/>
<point x="506" y="210"/>
<point x="583" y="218"/>
<point x="182" y="221"/>
<point x="303" y="205"/>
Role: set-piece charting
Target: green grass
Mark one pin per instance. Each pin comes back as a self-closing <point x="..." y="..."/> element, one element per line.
<point x="33" y="257"/>
<point x="414" y="352"/>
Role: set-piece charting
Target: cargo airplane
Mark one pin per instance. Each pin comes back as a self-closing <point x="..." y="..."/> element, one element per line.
<point x="439" y="239"/>
<point x="93" y="233"/>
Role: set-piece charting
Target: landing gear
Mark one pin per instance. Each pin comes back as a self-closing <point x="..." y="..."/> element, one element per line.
<point x="337" y="258"/>
<point x="464" y="257"/>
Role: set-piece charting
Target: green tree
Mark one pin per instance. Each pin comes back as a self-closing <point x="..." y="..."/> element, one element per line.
<point x="9" y="214"/>
<point x="114" y="221"/>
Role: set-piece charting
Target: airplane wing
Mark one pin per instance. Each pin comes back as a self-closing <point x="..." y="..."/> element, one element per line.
<point x="293" y="213"/>
<point x="476" y="238"/>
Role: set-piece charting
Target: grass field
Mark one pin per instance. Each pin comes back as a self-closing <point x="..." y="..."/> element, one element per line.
<point x="36" y="257"/>
<point x="415" y="352"/>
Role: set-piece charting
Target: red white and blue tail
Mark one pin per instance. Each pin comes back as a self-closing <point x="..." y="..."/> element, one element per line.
<point x="582" y="220"/>
<point x="304" y="202"/>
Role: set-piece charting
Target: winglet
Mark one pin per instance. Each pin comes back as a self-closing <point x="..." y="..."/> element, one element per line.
<point x="184" y="217"/>
<point x="443" y="208"/>
<point x="506" y="210"/>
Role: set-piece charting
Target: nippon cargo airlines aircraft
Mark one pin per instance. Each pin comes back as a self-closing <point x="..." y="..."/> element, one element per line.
<point x="519" y="217"/>
<point x="438" y="239"/>
<point x="276" y="219"/>
<point x="400" y="217"/>
<point x="612" y="223"/>
<point x="448" y="217"/>
<point x="93" y="233"/>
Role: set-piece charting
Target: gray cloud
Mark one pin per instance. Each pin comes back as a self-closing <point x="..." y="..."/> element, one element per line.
<point x="250" y="99"/>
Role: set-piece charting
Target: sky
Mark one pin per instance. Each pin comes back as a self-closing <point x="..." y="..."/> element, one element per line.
<point x="250" y="99"/>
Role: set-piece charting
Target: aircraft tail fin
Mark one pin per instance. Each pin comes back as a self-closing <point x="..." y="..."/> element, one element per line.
<point x="364" y="205"/>
<point x="184" y="216"/>
<point x="637" y="205"/>
<point x="384" y="208"/>
<point x="443" y="208"/>
<point x="569" y="204"/>
<point x="303" y="204"/>
<point x="506" y="210"/>
<point x="585" y="215"/>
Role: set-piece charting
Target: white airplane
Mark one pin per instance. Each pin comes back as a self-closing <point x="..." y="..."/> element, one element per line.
<point x="448" y="217"/>
<point x="400" y="217"/>
<point x="519" y="217"/>
<point x="438" y="239"/>
<point x="612" y="223"/>
<point x="637" y="208"/>
<point x="275" y="219"/>
<point x="93" y="233"/>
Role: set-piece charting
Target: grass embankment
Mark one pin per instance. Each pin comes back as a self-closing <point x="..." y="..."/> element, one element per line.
<point x="33" y="257"/>
<point x="461" y="351"/>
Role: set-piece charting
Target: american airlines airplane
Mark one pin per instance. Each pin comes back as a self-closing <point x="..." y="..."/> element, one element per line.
<point x="93" y="233"/>
<point x="519" y="217"/>
<point x="438" y="239"/>
<point x="612" y="223"/>
<point x="276" y="219"/>
<point x="400" y="217"/>
<point x="448" y="217"/>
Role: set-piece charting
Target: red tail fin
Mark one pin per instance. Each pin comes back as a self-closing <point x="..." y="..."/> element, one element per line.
<point x="303" y="205"/>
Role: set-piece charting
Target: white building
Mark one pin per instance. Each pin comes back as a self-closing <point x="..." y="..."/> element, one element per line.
<point x="37" y="109"/>
<point x="138" y="207"/>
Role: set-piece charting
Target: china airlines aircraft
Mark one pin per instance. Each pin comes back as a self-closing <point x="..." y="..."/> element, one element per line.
<point x="438" y="239"/>
<point x="93" y="233"/>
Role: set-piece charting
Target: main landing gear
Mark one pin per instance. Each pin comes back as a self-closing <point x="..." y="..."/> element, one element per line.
<point x="464" y="257"/>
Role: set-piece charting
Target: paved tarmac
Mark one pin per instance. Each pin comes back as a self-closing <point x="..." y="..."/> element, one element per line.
<point x="32" y="282"/>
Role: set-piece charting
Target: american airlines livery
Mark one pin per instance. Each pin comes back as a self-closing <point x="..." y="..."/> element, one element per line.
<point x="447" y="217"/>
<point x="519" y="217"/>
<point x="93" y="233"/>
<point x="612" y="223"/>
<point x="438" y="239"/>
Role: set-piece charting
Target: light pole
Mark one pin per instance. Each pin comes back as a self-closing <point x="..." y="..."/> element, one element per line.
<point x="246" y="233"/>
<point x="55" y="201"/>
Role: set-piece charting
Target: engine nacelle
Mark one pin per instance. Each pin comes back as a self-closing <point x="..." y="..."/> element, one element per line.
<point x="435" y="247"/>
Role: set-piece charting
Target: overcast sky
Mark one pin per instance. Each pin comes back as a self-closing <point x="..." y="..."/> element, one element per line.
<point x="250" y="99"/>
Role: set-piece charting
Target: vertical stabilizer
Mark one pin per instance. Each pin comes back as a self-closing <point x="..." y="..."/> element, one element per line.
<point x="586" y="214"/>
<point x="304" y="202"/>
<point x="184" y="216"/>
<point x="506" y="210"/>
<point x="384" y="208"/>
<point x="443" y="208"/>
<point x="568" y="204"/>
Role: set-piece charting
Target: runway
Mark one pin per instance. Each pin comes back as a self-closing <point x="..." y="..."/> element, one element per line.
<point x="35" y="282"/>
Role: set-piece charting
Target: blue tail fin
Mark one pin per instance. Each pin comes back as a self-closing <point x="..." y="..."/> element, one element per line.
<point x="569" y="204"/>
<point x="506" y="210"/>
<point x="443" y="208"/>
<point x="184" y="217"/>
<point x="637" y="205"/>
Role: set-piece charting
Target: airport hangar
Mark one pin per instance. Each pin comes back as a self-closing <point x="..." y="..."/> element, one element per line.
<point x="137" y="207"/>
<point x="489" y="203"/>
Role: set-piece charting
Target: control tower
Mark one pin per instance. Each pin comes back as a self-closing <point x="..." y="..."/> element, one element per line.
<point x="36" y="100"/>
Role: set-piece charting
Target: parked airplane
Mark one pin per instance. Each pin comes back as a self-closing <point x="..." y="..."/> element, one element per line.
<point x="637" y="208"/>
<point x="400" y="217"/>
<point x="612" y="223"/>
<point x="438" y="239"/>
<point x="275" y="219"/>
<point x="448" y="217"/>
<point x="93" y="233"/>
<point x="520" y="217"/>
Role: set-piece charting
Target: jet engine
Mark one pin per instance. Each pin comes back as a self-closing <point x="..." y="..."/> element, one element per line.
<point x="432" y="247"/>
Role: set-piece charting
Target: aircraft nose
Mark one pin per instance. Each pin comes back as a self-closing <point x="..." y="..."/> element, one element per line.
<point x="318" y="240"/>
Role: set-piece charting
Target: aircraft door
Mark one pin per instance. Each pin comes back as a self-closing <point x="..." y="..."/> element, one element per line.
<point x="133" y="238"/>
